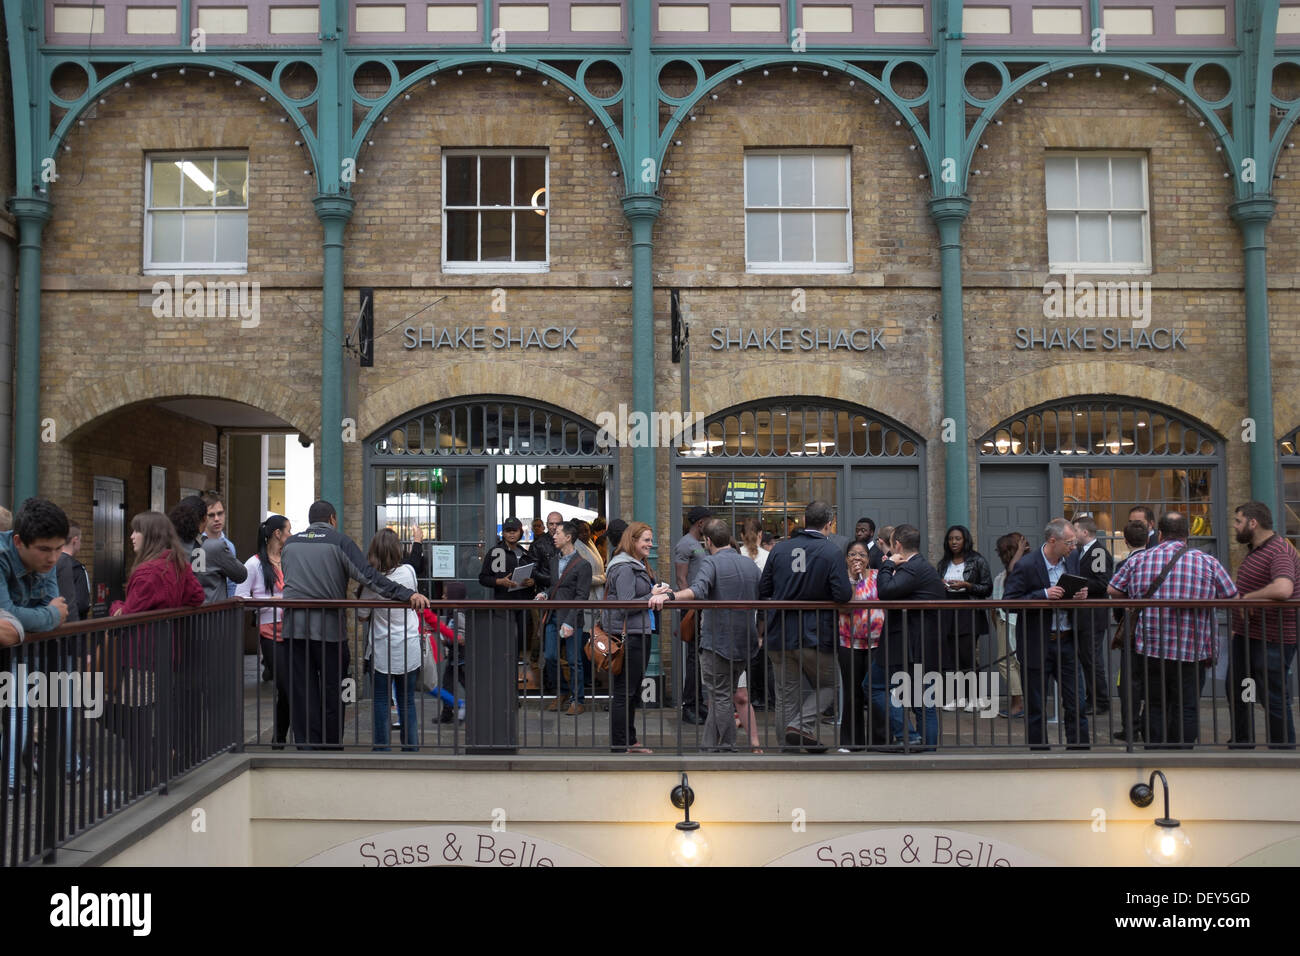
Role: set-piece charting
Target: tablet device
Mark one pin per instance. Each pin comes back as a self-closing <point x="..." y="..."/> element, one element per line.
<point x="1072" y="583"/>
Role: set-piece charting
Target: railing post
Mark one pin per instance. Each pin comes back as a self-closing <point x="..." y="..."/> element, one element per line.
<point x="51" y="759"/>
<point x="163" y="709"/>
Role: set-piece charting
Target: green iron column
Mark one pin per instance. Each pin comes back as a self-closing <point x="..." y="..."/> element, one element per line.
<point x="1252" y="217"/>
<point x="949" y="213"/>
<point x="642" y="211"/>
<point x="32" y="215"/>
<point x="334" y="213"/>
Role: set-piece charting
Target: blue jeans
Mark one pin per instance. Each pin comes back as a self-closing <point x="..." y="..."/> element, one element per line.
<point x="404" y="684"/>
<point x="884" y="709"/>
<point x="551" y="659"/>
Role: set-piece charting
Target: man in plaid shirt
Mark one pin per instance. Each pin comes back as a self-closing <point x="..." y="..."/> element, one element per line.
<point x="1172" y="646"/>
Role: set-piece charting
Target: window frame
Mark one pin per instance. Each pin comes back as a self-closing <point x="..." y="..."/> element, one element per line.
<point x="1093" y="267"/>
<point x="149" y="267"/>
<point x="801" y="268"/>
<point x="512" y="265"/>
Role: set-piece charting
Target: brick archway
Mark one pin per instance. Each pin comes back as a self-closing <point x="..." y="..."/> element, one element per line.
<point x="582" y="397"/>
<point x="1105" y="378"/>
<point x="85" y="404"/>
<point x="905" y="406"/>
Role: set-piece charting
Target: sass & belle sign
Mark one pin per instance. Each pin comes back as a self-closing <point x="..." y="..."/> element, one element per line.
<point x="449" y="846"/>
<point x="912" y="846"/>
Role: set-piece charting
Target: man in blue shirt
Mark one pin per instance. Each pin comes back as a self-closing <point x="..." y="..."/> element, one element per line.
<point x="29" y="590"/>
<point x="216" y="530"/>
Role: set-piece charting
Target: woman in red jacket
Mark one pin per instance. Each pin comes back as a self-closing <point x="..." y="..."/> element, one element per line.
<point x="161" y="578"/>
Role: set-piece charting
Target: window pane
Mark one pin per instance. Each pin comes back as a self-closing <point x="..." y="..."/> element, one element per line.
<point x="165" y="243"/>
<point x="1094" y="182"/>
<point x="232" y="182"/>
<point x="462" y="236"/>
<point x="495" y="190"/>
<point x="196" y="183"/>
<point x="166" y="183"/>
<point x="830" y="182"/>
<point x="796" y="237"/>
<point x="1126" y="183"/>
<point x="232" y="237"/>
<point x="1126" y="234"/>
<point x="530" y="237"/>
<point x="530" y="176"/>
<point x="761" y="172"/>
<point x="1060" y="182"/>
<point x="461" y="182"/>
<point x="200" y="236"/>
<point x="496" y="235"/>
<point x="1094" y="246"/>
<point x="1060" y="237"/>
<point x="832" y="243"/>
<point x="796" y="180"/>
<point x="761" y="231"/>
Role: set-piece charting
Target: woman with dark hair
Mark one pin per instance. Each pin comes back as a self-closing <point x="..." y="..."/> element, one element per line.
<point x="394" y="644"/>
<point x="966" y="576"/>
<point x="628" y="578"/>
<point x="266" y="581"/>
<point x="161" y="578"/>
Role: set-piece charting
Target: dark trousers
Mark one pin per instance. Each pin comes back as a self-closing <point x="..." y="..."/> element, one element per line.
<point x="276" y="656"/>
<point x="625" y="691"/>
<point x="1094" y="658"/>
<point x="1058" y="661"/>
<point x="135" y="727"/>
<point x="1173" y="691"/>
<point x="315" y="704"/>
<point x="853" y="668"/>
<point x="1132" y="688"/>
<point x="691" y="673"/>
<point x="1267" y="664"/>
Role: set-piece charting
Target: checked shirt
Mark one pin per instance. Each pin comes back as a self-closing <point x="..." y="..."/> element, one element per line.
<point x="1175" y="634"/>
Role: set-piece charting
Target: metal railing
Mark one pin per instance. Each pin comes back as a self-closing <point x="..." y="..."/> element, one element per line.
<point x="96" y="715"/>
<point x="113" y="710"/>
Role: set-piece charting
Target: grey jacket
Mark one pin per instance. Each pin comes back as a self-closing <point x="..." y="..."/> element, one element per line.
<point x="626" y="579"/>
<point x="217" y="565"/>
<point x="317" y="565"/>
<point x="728" y="576"/>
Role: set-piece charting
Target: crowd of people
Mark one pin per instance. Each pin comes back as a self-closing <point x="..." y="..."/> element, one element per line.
<point x="844" y="662"/>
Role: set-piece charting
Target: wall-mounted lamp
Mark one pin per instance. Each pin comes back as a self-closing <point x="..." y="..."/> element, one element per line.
<point x="688" y="846"/>
<point x="1166" y="842"/>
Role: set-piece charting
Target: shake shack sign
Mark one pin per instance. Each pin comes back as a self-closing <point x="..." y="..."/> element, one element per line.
<point x="550" y="338"/>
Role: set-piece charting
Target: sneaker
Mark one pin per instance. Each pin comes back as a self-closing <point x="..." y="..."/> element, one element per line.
<point x="393" y="720"/>
<point x="844" y="750"/>
<point x="460" y="712"/>
<point x="950" y="706"/>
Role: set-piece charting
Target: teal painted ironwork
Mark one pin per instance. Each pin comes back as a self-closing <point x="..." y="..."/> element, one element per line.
<point x="946" y="121"/>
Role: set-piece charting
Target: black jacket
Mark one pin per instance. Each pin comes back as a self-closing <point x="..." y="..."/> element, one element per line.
<point x="493" y="560"/>
<point x="913" y="580"/>
<point x="573" y="585"/>
<point x="1028" y="581"/>
<point x="975" y="570"/>
<point x="1095" y="564"/>
<point x="74" y="587"/>
<point x="543" y="552"/>
<point x="804" y="567"/>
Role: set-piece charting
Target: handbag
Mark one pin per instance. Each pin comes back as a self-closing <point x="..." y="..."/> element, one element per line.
<point x="606" y="651"/>
<point x="428" y="662"/>
<point x="687" y="629"/>
<point x="1128" y="627"/>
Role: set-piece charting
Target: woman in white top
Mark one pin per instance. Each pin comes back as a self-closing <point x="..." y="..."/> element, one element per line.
<point x="265" y="581"/>
<point x="585" y="547"/>
<point x="751" y="537"/>
<point x="394" y="644"/>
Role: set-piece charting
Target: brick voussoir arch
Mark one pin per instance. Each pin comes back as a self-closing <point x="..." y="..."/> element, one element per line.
<point x="1060" y="382"/>
<point x="905" y="406"/>
<point x="483" y="376"/>
<point x="82" y="405"/>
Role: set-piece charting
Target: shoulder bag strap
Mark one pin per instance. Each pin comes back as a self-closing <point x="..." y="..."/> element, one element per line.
<point x="1132" y="615"/>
